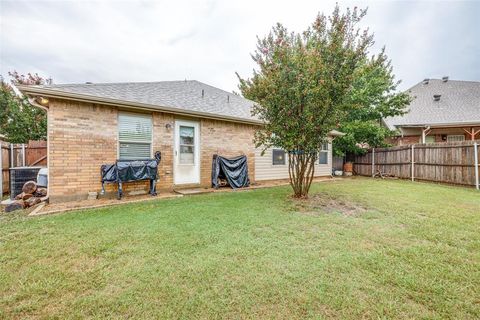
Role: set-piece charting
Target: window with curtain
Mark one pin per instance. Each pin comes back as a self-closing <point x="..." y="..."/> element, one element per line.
<point x="134" y="136"/>
<point x="323" y="154"/>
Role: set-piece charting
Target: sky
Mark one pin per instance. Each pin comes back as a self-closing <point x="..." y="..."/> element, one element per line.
<point x="210" y="40"/>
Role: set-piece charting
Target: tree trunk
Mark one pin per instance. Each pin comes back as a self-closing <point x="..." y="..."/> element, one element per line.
<point x="301" y="169"/>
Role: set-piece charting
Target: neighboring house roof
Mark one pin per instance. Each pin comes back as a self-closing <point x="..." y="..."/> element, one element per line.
<point x="459" y="104"/>
<point x="186" y="97"/>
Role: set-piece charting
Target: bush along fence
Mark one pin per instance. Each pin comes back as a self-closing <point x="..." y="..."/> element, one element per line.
<point x="34" y="153"/>
<point x="455" y="163"/>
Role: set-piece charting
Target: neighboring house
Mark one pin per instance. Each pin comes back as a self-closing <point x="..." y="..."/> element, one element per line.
<point x="442" y="110"/>
<point x="187" y="121"/>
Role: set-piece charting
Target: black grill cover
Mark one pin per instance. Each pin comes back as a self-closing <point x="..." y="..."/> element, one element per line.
<point x="234" y="170"/>
<point x="109" y="173"/>
<point x="137" y="170"/>
<point x="131" y="170"/>
<point x="128" y="170"/>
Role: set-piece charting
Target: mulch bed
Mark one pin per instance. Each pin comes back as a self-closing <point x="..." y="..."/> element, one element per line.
<point x="321" y="203"/>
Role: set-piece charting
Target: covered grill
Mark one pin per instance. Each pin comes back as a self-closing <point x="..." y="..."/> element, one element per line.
<point x="131" y="170"/>
<point x="233" y="170"/>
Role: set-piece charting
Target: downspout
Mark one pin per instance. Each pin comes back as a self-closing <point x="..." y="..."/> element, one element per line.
<point x="475" y="152"/>
<point x="34" y="103"/>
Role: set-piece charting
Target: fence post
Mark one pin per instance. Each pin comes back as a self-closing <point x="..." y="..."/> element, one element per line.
<point x="373" y="162"/>
<point x="413" y="162"/>
<point x="23" y="154"/>
<point x="475" y="150"/>
<point x="11" y="156"/>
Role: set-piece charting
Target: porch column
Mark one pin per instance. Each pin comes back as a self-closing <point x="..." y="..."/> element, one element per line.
<point x="472" y="132"/>
<point x="425" y="132"/>
<point x="475" y="151"/>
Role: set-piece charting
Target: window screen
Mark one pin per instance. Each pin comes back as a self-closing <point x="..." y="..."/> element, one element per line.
<point x="134" y="136"/>
<point x="278" y="157"/>
<point x="323" y="154"/>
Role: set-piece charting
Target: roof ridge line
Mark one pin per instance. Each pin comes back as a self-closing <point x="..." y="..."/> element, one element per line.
<point x="114" y="83"/>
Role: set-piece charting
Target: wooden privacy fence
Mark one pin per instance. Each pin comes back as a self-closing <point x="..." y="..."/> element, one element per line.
<point x="454" y="162"/>
<point x="337" y="163"/>
<point x="34" y="153"/>
<point x="4" y="165"/>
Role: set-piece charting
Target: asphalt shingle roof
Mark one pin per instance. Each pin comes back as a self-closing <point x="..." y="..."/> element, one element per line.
<point x="459" y="102"/>
<point x="181" y="95"/>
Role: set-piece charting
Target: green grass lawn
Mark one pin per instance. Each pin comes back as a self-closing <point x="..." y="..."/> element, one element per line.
<point x="408" y="250"/>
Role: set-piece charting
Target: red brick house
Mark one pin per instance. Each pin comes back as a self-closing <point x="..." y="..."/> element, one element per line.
<point x="442" y="110"/>
<point x="188" y="121"/>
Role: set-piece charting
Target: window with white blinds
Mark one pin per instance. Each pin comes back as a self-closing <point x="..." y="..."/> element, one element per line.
<point x="134" y="136"/>
<point x="455" y="138"/>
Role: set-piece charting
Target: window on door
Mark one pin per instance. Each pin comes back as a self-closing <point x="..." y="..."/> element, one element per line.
<point x="186" y="145"/>
<point x="134" y="136"/>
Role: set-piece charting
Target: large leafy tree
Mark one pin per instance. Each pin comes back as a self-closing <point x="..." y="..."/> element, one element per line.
<point x="303" y="86"/>
<point x="19" y="120"/>
<point x="374" y="97"/>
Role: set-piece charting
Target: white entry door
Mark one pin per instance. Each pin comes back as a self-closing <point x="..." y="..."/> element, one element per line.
<point x="187" y="152"/>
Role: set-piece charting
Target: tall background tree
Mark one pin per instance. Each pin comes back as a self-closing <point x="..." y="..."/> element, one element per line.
<point x="19" y="120"/>
<point x="303" y="85"/>
<point x="374" y="97"/>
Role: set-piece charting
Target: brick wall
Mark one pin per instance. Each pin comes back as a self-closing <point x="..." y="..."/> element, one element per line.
<point x="226" y="139"/>
<point x="405" y="140"/>
<point x="163" y="138"/>
<point x="83" y="136"/>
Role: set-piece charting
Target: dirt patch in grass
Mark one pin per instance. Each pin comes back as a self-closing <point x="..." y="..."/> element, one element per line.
<point x="322" y="203"/>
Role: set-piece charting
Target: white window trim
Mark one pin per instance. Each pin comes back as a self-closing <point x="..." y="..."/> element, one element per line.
<point x="324" y="151"/>
<point x="127" y="141"/>
<point x="284" y="158"/>
<point x="194" y="145"/>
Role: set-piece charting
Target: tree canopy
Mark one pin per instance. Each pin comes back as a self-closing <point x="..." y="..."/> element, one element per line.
<point x="304" y="84"/>
<point x="19" y="120"/>
<point x="374" y="97"/>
